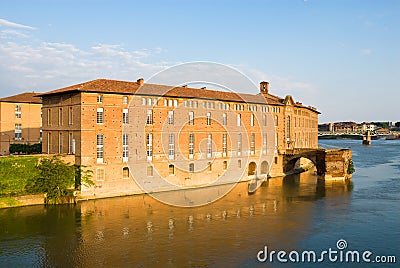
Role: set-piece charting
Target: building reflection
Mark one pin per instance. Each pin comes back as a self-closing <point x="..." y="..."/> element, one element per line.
<point x="279" y="214"/>
<point x="141" y="231"/>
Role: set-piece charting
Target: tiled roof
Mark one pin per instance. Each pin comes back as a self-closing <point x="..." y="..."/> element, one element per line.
<point x="126" y="87"/>
<point x="27" y="97"/>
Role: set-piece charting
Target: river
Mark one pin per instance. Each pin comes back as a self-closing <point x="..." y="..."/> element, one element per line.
<point x="296" y="213"/>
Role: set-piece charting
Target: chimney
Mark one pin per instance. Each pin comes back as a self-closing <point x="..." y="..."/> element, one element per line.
<point x="140" y="81"/>
<point x="264" y="87"/>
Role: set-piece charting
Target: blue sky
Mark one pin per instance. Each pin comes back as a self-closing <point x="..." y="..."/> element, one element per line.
<point x="341" y="56"/>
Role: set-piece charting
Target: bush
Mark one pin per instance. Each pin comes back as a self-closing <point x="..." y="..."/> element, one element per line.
<point x="57" y="179"/>
<point x="18" y="148"/>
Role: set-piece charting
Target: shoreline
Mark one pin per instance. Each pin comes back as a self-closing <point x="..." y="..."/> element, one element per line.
<point x="32" y="200"/>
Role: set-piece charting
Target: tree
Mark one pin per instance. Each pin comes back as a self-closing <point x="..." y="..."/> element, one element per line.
<point x="57" y="179"/>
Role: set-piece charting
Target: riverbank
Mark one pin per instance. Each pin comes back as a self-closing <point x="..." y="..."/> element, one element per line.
<point x="29" y="200"/>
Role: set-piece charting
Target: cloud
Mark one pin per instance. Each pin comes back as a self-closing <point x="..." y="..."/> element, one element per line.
<point x="6" y="23"/>
<point x="366" y="51"/>
<point x="42" y="66"/>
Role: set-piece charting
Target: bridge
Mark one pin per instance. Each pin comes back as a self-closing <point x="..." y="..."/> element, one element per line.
<point x="330" y="163"/>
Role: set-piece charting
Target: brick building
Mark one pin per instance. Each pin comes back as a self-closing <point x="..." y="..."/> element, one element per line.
<point x="20" y="120"/>
<point x="167" y="136"/>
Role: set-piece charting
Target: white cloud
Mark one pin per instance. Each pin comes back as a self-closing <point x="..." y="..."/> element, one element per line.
<point x="366" y="51"/>
<point x="44" y="66"/>
<point x="6" y="23"/>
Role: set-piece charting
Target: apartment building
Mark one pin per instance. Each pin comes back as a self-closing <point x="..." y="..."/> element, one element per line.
<point x="146" y="137"/>
<point x="20" y="120"/>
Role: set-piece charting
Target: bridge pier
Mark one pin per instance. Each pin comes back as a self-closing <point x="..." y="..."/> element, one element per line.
<point x="331" y="164"/>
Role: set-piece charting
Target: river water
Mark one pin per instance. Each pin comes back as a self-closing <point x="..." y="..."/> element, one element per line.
<point x="296" y="213"/>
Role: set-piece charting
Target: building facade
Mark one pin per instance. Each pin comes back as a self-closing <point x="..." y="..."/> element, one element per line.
<point x="145" y="137"/>
<point x="20" y="120"/>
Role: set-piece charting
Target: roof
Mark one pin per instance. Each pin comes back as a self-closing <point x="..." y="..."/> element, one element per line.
<point x="27" y="97"/>
<point x="127" y="87"/>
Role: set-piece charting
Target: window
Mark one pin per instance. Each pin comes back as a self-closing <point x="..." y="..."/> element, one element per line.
<point x="209" y="166"/>
<point x="48" y="117"/>
<point x="125" y="100"/>
<point x="191" y="118"/>
<point x="176" y="103"/>
<point x="171" y="169"/>
<point x="264" y="147"/>
<point x="125" y="147"/>
<point x="143" y="101"/>
<point x="100" y="148"/>
<point x="224" y="144"/>
<point x="209" y="145"/>
<point x="171" y="117"/>
<point x="149" y="171"/>
<point x="225" y="165"/>
<point x="208" y="119"/>
<point x="276" y="120"/>
<point x="191" y="167"/>
<point x="125" y="116"/>
<point x="149" y="146"/>
<point x="18" y="132"/>
<point x="288" y="128"/>
<point x="238" y="120"/>
<point x="17" y="111"/>
<point x="48" y="142"/>
<point x="252" y="120"/>
<point x="264" y="120"/>
<point x="60" y="143"/>
<point x="276" y="160"/>
<point x="60" y="117"/>
<point x="100" y="174"/>
<point x="224" y="121"/>
<point x="239" y="144"/>
<point x="71" y="144"/>
<point x="239" y="163"/>
<point x="100" y="116"/>
<point x="171" y="147"/>
<point x="40" y="134"/>
<point x="149" y="120"/>
<point x="125" y="172"/>
<point x="253" y="143"/>
<point x="191" y="145"/>
<point x="99" y="98"/>
<point x="70" y="114"/>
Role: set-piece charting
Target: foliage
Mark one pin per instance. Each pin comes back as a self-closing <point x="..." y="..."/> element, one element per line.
<point x="55" y="178"/>
<point x="83" y="176"/>
<point x="8" y="202"/>
<point x="17" y="148"/>
<point x="350" y="167"/>
<point x="14" y="173"/>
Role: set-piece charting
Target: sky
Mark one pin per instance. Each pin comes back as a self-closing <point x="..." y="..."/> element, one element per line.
<point x="340" y="56"/>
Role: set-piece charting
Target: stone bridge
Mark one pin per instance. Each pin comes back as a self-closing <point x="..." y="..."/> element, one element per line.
<point x="330" y="163"/>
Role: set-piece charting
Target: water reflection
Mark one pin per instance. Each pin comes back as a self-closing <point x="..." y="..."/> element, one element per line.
<point x="141" y="231"/>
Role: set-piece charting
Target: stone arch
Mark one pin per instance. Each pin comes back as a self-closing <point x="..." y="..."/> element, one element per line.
<point x="264" y="168"/>
<point x="252" y="169"/>
<point x="291" y="163"/>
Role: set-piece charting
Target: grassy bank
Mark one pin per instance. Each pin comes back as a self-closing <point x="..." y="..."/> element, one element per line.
<point x="14" y="172"/>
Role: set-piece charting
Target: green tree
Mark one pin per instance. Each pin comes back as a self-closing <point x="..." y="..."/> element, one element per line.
<point x="83" y="176"/>
<point x="55" y="178"/>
